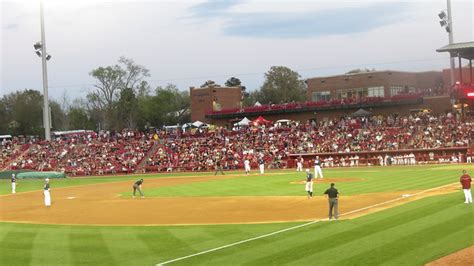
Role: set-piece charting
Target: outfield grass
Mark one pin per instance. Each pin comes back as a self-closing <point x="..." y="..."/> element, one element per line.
<point x="411" y="234"/>
<point x="375" y="179"/>
<point x="37" y="184"/>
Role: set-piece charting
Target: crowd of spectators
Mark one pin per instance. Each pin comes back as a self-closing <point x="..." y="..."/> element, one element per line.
<point x="10" y="150"/>
<point x="87" y="154"/>
<point x="131" y="151"/>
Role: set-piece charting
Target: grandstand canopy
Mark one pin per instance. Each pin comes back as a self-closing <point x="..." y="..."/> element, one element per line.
<point x="463" y="49"/>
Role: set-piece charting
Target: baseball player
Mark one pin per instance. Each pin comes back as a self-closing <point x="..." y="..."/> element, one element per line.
<point x="466" y="186"/>
<point x="47" y="195"/>
<point x="138" y="186"/>
<point x="218" y="167"/>
<point x="317" y="168"/>
<point x="299" y="164"/>
<point x="261" y="165"/>
<point x="13" y="183"/>
<point x="247" y="166"/>
<point x="309" y="183"/>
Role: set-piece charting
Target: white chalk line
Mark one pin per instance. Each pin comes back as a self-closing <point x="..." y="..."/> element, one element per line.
<point x="298" y="226"/>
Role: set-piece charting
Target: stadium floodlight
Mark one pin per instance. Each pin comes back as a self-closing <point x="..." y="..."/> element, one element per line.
<point x="446" y="22"/>
<point x="37" y="46"/>
<point x="38" y="53"/>
<point x="48" y="57"/>
<point x="442" y="15"/>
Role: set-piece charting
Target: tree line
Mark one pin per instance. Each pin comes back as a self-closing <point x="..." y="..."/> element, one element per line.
<point x="122" y="98"/>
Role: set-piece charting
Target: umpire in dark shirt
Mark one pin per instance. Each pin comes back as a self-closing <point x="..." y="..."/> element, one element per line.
<point x="333" y="196"/>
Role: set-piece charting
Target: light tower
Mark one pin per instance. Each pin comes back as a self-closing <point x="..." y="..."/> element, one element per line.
<point x="446" y="21"/>
<point x="40" y="50"/>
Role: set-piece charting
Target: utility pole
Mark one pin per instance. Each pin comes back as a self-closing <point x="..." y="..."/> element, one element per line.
<point x="46" y="116"/>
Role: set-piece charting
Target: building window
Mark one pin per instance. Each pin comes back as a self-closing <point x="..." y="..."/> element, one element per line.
<point x="376" y="91"/>
<point x="360" y="93"/>
<point x="399" y="89"/>
<point x="321" y="96"/>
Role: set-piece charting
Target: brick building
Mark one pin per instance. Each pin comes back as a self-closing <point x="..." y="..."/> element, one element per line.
<point x="213" y="98"/>
<point x="380" y="92"/>
<point x="373" y="84"/>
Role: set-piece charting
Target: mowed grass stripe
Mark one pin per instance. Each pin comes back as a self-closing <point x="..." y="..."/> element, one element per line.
<point x="366" y="230"/>
<point x="51" y="247"/>
<point x="437" y="248"/>
<point x="321" y="244"/>
<point x="16" y="247"/>
<point x="395" y="248"/>
<point x="89" y="248"/>
<point x="126" y="247"/>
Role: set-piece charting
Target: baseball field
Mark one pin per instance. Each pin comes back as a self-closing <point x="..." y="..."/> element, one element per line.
<point x="389" y="215"/>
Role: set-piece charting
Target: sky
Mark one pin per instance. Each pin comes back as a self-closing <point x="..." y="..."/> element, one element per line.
<point x="188" y="42"/>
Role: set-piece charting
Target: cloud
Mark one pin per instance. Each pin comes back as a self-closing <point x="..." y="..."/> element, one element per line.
<point x="301" y="24"/>
<point x="11" y="26"/>
<point x="212" y="8"/>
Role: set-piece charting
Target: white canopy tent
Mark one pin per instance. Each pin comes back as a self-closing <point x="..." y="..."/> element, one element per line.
<point x="199" y="124"/>
<point x="243" y="122"/>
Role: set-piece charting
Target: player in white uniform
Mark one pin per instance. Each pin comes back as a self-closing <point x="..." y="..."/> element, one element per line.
<point x="261" y="165"/>
<point x="309" y="183"/>
<point x="247" y="166"/>
<point x="317" y="168"/>
<point x="299" y="164"/>
<point x="47" y="196"/>
<point x="13" y="184"/>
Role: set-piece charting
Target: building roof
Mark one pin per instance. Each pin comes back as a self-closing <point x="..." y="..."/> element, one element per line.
<point x="463" y="49"/>
<point x="370" y="73"/>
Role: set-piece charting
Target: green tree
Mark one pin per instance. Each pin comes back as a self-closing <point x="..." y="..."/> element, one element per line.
<point x="78" y="119"/>
<point x="24" y="112"/>
<point x="110" y="81"/>
<point x="233" y="82"/>
<point x="127" y="108"/>
<point x="210" y="83"/>
<point x="281" y="85"/>
<point x="168" y="106"/>
<point x="360" y="70"/>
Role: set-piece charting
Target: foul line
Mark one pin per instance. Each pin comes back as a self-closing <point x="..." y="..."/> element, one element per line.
<point x="296" y="227"/>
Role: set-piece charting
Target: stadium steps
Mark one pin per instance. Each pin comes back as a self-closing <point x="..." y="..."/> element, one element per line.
<point x="150" y="152"/>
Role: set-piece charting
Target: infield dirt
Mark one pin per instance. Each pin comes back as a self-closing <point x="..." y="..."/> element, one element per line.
<point x="102" y="204"/>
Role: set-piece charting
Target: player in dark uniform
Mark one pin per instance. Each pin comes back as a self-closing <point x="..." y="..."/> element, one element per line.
<point x="309" y="183"/>
<point x="218" y="167"/>
<point x="138" y="186"/>
<point x="333" y="196"/>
